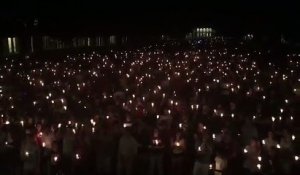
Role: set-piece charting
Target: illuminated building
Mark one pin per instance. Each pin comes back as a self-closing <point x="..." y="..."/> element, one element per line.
<point x="201" y="33"/>
<point x="10" y="45"/>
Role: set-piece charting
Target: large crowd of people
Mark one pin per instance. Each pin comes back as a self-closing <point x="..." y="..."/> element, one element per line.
<point x="156" y="111"/>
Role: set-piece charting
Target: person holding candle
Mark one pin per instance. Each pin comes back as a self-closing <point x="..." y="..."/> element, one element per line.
<point x="287" y="152"/>
<point x="68" y="149"/>
<point x="127" y="151"/>
<point x="204" y="150"/>
<point x="178" y="150"/>
<point x="55" y="159"/>
<point x="156" y="155"/>
<point x="30" y="155"/>
<point x="269" y="142"/>
<point x="220" y="163"/>
<point x="252" y="152"/>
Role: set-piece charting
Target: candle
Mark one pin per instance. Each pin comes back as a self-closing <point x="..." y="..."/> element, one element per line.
<point x="26" y="153"/>
<point x="22" y="123"/>
<point x="156" y="141"/>
<point x="259" y="158"/>
<point x="293" y="137"/>
<point x="278" y="146"/>
<point x="245" y="150"/>
<point x="77" y="156"/>
<point x="152" y="104"/>
<point x="296" y="158"/>
<point x="180" y="125"/>
<point x="263" y="142"/>
<point x="177" y="144"/>
<point x="273" y="119"/>
<point x="55" y="158"/>
<point x="199" y="148"/>
<point x="258" y="166"/>
<point x="126" y="125"/>
<point x="44" y="144"/>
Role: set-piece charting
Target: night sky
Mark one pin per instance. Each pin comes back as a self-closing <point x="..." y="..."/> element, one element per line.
<point x="230" y="17"/>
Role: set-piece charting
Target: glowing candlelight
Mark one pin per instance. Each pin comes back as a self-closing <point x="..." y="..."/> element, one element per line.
<point x="259" y="158"/>
<point x="263" y="142"/>
<point x="44" y="144"/>
<point x="126" y="125"/>
<point x="22" y="122"/>
<point x="258" y="166"/>
<point x="293" y="137"/>
<point x="199" y="148"/>
<point x="296" y="158"/>
<point x="77" y="156"/>
<point x="177" y="144"/>
<point x="55" y="158"/>
<point x="26" y="153"/>
<point x="245" y="150"/>
<point x="180" y="125"/>
<point x="278" y="146"/>
<point x="152" y="104"/>
<point x="273" y="119"/>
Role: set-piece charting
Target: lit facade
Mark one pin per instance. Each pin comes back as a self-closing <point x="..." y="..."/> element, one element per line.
<point x="201" y="33"/>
